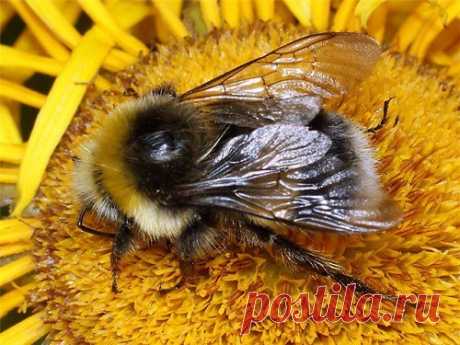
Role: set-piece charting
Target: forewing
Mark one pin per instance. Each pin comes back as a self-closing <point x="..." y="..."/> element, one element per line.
<point x="294" y="77"/>
<point x="285" y="173"/>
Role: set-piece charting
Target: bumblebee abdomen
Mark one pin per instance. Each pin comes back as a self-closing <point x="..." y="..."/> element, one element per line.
<point x="342" y="189"/>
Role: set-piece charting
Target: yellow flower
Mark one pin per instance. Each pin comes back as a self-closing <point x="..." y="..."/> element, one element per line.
<point x="67" y="287"/>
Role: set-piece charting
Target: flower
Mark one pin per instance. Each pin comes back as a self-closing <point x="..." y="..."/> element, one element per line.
<point x="69" y="292"/>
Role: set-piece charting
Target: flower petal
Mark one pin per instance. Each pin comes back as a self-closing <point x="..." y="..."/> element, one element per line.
<point x="14" y="230"/>
<point x="301" y="10"/>
<point x="26" y="332"/>
<point x="365" y="8"/>
<point x="21" y="94"/>
<point x="6" y="14"/>
<point x="171" y="19"/>
<point x="265" y="9"/>
<point x="12" y="153"/>
<point x="231" y="12"/>
<point x="55" y="115"/>
<point x="14" y="298"/>
<point x="432" y="28"/>
<point x="98" y="12"/>
<point x="320" y="10"/>
<point x="343" y="15"/>
<point x="13" y="58"/>
<point x="9" y="132"/>
<point x="211" y="15"/>
<point x="9" y="175"/>
<point x="55" y="21"/>
<point x="11" y="249"/>
<point x="376" y="23"/>
<point x="16" y="269"/>
<point x="247" y="11"/>
<point x="63" y="100"/>
<point x="41" y="32"/>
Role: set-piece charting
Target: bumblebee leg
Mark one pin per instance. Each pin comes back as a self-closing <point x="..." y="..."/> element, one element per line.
<point x="383" y="121"/>
<point x="83" y="227"/>
<point x="298" y="258"/>
<point x="199" y="241"/>
<point x="122" y="243"/>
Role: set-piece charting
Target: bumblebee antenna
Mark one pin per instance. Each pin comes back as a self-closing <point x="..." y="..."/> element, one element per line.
<point x="88" y="229"/>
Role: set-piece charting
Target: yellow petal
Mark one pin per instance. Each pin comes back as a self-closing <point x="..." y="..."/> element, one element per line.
<point x="365" y="8"/>
<point x="9" y="175"/>
<point x="52" y="46"/>
<point x="282" y="14"/>
<point x="6" y="14"/>
<point x="409" y="30"/>
<point x="343" y="15"/>
<point x="70" y="9"/>
<point x="61" y="27"/>
<point x="14" y="298"/>
<point x="211" y="14"/>
<point x="432" y="29"/>
<point x="454" y="69"/>
<point x="27" y="42"/>
<point x="14" y="230"/>
<point x="13" y="58"/>
<point x="175" y="6"/>
<point x="441" y="58"/>
<point x="265" y="9"/>
<point x="26" y="332"/>
<point x="446" y="45"/>
<point x="171" y="19"/>
<point x="129" y="13"/>
<point x="15" y="109"/>
<point x="21" y="94"/>
<point x="11" y="249"/>
<point x="9" y="132"/>
<point x="247" y="11"/>
<point x="161" y="28"/>
<point x="195" y="18"/>
<point x="301" y="10"/>
<point x="16" y="269"/>
<point x="55" y="115"/>
<point x="231" y="12"/>
<point x="63" y="99"/>
<point x="55" y="21"/>
<point x="11" y="153"/>
<point x="99" y="14"/>
<point x="320" y="10"/>
<point x="117" y="60"/>
<point x="354" y="24"/>
<point x="376" y="23"/>
<point x="102" y="83"/>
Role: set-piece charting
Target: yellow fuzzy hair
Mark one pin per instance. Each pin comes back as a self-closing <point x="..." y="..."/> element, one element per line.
<point x="104" y="153"/>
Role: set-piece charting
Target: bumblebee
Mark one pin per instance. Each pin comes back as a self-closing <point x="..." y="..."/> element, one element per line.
<point x="241" y="157"/>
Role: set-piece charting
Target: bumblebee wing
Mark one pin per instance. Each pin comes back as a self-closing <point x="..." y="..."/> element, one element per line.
<point x="289" y="83"/>
<point x="292" y="174"/>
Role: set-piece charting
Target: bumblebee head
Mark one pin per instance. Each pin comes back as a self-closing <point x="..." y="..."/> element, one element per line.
<point x="159" y="148"/>
<point x="139" y="151"/>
